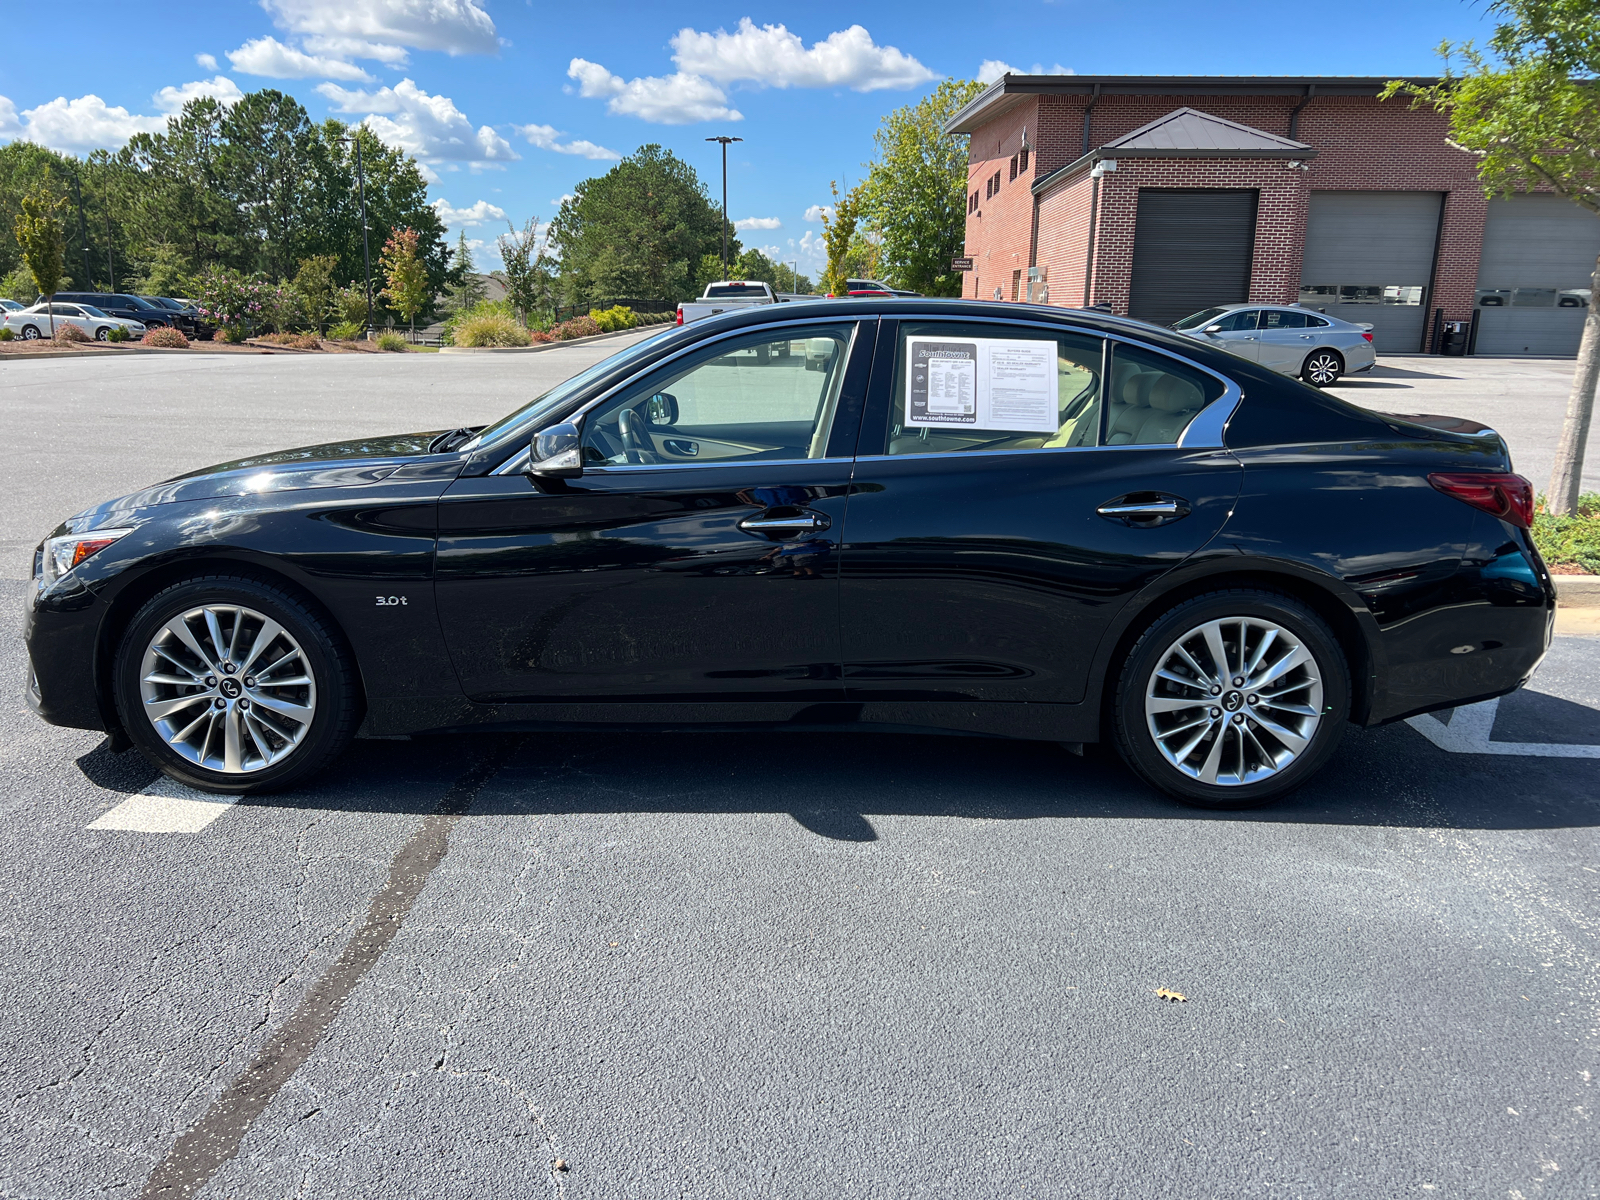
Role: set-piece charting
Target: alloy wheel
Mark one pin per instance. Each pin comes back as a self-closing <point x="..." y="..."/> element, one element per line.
<point x="227" y="688"/>
<point x="1322" y="368"/>
<point x="1234" y="701"/>
<point x="30" y="333"/>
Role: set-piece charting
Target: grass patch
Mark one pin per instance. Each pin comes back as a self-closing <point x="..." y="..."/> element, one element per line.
<point x="1570" y="545"/>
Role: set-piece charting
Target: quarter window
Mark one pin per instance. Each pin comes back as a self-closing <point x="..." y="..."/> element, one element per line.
<point x="1153" y="397"/>
<point x="975" y="386"/>
<point x="760" y="397"/>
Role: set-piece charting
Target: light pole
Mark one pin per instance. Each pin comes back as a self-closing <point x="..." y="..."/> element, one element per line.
<point x="366" y="250"/>
<point x="794" y="276"/>
<point x="724" y="141"/>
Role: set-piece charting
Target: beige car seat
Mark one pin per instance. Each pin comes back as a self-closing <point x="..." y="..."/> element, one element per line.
<point x="1130" y="404"/>
<point x="1173" y="404"/>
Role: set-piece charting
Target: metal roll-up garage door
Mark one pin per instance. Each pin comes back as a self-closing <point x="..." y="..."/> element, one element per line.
<point x="1192" y="248"/>
<point x="1369" y="258"/>
<point x="1535" y="275"/>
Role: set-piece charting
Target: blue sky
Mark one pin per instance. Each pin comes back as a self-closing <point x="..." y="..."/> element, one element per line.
<point x="509" y="103"/>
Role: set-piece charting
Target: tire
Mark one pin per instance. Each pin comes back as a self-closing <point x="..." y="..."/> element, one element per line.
<point x="267" y="735"/>
<point x="102" y="333"/>
<point x="1322" y="368"/>
<point x="30" y="333"/>
<point x="1247" y="763"/>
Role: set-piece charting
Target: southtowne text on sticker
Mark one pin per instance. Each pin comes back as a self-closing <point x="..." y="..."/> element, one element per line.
<point x="981" y="383"/>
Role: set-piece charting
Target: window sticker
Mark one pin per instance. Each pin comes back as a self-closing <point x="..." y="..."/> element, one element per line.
<point x="984" y="383"/>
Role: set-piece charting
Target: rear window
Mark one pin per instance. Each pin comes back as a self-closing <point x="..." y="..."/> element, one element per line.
<point x="736" y="289"/>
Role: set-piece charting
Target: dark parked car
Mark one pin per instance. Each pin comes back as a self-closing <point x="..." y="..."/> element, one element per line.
<point x="1013" y="521"/>
<point x="116" y="304"/>
<point x="183" y="314"/>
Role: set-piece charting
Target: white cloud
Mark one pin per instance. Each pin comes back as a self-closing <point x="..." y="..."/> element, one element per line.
<point x="76" y="126"/>
<point x="565" y="196"/>
<point x="430" y="127"/>
<point x="208" y="61"/>
<point x="663" y="99"/>
<point x="544" y="137"/>
<point x="992" y="68"/>
<point x="817" y="211"/>
<point x="476" y="214"/>
<point x="453" y="26"/>
<point x="758" y="223"/>
<point x="270" y="57"/>
<point x="347" y="47"/>
<point x="773" y="56"/>
<point x="221" y="88"/>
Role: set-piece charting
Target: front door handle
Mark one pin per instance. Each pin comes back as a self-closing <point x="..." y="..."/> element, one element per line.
<point x="1142" y="510"/>
<point x="788" y="526"/>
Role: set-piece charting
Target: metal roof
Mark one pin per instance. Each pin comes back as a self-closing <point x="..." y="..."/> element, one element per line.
<point x="1009" y="91"/>
<point x="1188" y="129"/>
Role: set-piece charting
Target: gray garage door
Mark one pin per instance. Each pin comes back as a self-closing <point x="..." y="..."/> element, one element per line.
<point x="1369" y="258"/>
<point x="1535" y="274"/>
<point x="1192" y="248"/>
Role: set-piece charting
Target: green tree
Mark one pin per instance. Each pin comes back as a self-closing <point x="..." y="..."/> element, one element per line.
<point x="39" y="233"/>
<point x="1530" y="112"/>
<point x="527" y="268"/>
<point x="316" y="284"/>
<point x="638" y="230"/>
<point x="915" y="194"/>
<point x="838" y="231"/>
<point x="464" y="286"/>
<point x="266" y="165"/>
<point x="407" y="288"/>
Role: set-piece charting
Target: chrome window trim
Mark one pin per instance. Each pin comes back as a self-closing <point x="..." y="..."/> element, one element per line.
<point x="632" y="468"/>
<point x="1216" y="414"/>
<point x="518" y="462"/>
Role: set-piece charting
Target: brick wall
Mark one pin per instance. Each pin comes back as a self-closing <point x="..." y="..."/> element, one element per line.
<point x="1363" y="144"/>
<point x="1064" y="239"/>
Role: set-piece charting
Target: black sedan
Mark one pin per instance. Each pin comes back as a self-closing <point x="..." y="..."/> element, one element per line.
<point x="913" y="515"/>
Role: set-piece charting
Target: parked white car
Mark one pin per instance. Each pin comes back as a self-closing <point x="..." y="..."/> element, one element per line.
<point x="10" y="306"/>
<point x="33" y="323"/>
<point x="725" y="294"/>
<point x="1297" y="341"/>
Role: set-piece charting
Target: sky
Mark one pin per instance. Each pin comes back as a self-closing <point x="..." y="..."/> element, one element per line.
<point x="509" y="104"/>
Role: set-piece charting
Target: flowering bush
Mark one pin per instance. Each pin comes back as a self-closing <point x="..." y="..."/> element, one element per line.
<point x="576" y="328"/>
<point x="233" y="302"/>
<point x="70" y="333"/>
<point x="166" y="339"/>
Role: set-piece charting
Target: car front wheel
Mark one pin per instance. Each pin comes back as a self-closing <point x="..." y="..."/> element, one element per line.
<point x="234" y="685"/>
<point x="102" y="333"/>
<point x="1232" y="699"/>
<point x="1322" y="368"/>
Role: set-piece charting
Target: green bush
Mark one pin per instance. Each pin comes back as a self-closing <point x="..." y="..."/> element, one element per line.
<point x="6" y="335"/>
<point x="613" y="319"/>
<point x="483" y="308"/>
<point x="232" y="334"/>
<point x="117" y="334"/>
<point x="345" y="331"/>
<point x="1570" y="544"/>
<point x="390" y="340"/>
<point x="490" y="329"/>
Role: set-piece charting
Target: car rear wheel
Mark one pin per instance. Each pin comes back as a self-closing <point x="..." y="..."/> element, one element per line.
<point x="234" y="685"/>
<point x="30" y="333"/>
<point x="1322" y="368"/>
<point x="1232" y="699"/>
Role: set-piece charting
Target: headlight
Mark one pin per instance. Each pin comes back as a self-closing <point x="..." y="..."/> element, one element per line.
<point x="61" y="554"/>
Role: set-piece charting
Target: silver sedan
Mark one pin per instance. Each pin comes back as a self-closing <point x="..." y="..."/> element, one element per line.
<point x="1297" y="341"/>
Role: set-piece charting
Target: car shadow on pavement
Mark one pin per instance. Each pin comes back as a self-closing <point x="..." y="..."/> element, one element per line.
<point x="833" y="784"/>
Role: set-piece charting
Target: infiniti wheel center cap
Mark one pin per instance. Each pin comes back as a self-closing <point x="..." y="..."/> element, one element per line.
<point x="231" y="689"/>
<point x="1232" y="701"/>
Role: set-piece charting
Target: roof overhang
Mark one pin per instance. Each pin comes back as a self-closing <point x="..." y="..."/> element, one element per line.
<point x="1009" y="91"/>
<point x="1062" y="174"/>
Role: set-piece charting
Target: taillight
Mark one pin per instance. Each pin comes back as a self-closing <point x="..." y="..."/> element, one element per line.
<point x="1509" y="497"/>
<point x="1368" y="336"/>
<point x="680" y="315"/>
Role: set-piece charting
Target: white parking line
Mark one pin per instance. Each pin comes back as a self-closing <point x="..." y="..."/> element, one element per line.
<point x="1469" y="730"/>
<point x="165" y="807"/>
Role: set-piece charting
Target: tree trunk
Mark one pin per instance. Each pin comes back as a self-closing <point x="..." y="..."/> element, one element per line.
<point x="50" y="309"/>
<point x="1566" y="477"/>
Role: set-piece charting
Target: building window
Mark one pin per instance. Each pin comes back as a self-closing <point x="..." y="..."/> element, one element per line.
<point x="1022" y="161"/>
<point x="1013" y="166"/>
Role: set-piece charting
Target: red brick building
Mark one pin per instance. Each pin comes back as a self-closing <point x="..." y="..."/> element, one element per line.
<point x="1162" y="195"/>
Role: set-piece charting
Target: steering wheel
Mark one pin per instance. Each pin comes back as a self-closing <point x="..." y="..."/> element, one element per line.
<point x="635" y="446"/>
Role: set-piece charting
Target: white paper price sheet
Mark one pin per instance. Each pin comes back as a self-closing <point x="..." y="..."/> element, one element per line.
<point x="981" y="383"/>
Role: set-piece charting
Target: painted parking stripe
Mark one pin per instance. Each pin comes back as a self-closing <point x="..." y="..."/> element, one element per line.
<point x="165" y="807"/>
<point x="1469" y="733"/>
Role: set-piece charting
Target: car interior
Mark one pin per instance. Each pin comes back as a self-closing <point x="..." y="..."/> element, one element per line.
<point x="761" y="399"/>
<point x="1153" y="399"/>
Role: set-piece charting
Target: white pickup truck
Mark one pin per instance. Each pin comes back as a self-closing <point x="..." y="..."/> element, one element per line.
<point x="726" y="294"/>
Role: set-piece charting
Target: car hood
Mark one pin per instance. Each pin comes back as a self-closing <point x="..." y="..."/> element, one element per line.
<point x="332" y="464"/>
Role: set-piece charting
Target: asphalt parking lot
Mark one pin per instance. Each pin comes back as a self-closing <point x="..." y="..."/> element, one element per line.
<point x="789" y="966"/>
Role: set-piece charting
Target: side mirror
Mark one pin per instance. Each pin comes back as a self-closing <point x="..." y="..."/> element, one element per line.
<point x="661" y="411"/>
<point x="1214" y="329"/>
<point x="557" y="452"/>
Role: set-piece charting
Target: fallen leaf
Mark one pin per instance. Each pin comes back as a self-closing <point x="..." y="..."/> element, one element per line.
<point x="1169" y="994"/>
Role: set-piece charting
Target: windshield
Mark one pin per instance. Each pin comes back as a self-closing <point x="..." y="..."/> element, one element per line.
<point x="1199" y="318"/>
<point x="530" y="413"/>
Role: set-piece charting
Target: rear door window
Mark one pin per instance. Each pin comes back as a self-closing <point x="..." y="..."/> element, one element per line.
<point x="962" y="386"/>
<point x="1154" y="397"/>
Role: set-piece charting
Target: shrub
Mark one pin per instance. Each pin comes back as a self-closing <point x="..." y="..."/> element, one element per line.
<point x="233" y="302"/>
<point x="345" y="331"/>
<point x="576" y="328"/>
<point x="390" y="340"/>
<point x="541" y="336"/>
<point x="294" y="341"/>
<point x="491" y="330"/>
<point x="6" y="335"/>
<point x="232" y="334"/>
<point x="483" y="308"/>
<point x="117" y="334"/>
<point x="351" y="305"/>
<point x="66" y="334"/>
<point x="166" y="339"/>
<point x="1570" y="544"/>
<point x="615" y="318"/>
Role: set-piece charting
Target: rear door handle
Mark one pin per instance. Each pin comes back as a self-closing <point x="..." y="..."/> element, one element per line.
<point x="1154" y="508"/>
<point x="796" y="525"/>
<point x="1143" y="510"/>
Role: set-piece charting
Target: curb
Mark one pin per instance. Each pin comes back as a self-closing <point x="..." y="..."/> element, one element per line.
<point x="54" y="354"/>
<point x="1577" y="591"/>
<point x="535" y="349"/>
